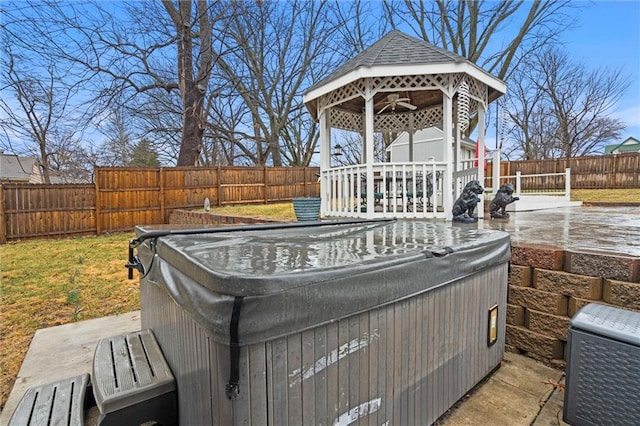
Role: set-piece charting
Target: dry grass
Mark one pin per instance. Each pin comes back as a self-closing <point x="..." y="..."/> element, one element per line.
<point x="51" y="282"/>
<point x="276" y="211"/>
<point x="630" y="195"/>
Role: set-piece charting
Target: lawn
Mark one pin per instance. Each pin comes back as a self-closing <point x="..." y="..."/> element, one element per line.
<point x="629" y="195"/>
<point x="51" y="282"/>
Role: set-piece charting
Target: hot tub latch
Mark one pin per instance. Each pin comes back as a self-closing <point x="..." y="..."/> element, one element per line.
<point x="133" y="263"/>
<point x="438" y="251"/>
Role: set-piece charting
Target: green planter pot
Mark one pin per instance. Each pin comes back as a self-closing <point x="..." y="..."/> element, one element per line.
<point x="307" y="209"/>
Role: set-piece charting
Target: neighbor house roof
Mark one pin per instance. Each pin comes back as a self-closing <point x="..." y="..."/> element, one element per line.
<point x="14" y="168"/>
<point x="630" y="144"/>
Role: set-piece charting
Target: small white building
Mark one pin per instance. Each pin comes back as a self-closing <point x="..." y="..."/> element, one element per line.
<point x="427" y="145"/>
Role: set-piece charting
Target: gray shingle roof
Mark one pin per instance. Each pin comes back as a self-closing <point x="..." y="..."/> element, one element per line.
<point x="13" y="167"/>
<point x="395" y="48"/>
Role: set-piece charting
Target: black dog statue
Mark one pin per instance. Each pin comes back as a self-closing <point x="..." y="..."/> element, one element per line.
<point x="465" y="205"/>
<point x="499" y="203"/>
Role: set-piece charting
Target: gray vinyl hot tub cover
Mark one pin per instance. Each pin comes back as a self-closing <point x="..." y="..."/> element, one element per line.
<point x="294" y="279"/>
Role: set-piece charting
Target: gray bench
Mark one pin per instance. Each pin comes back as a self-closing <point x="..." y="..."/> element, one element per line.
<point x="132" y="382"/>
<point x="58" y="403"/>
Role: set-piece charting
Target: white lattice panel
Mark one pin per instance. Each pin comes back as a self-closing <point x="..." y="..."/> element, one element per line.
<point x="400" y="121"/>
<point x="428" y="117"/>
<point x="346" y="120"/>
<point x="342" y="94"/>
<point x="409" y="82"/>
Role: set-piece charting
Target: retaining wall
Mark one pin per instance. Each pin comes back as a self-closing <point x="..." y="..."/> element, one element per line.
<point x="185" y="217"/>
<point x="548" y="285"/>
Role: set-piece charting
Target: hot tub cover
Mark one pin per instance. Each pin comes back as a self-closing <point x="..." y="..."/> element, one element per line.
<point x="296" y="278"/>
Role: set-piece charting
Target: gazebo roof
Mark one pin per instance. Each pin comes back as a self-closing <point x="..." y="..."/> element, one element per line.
<point x="398" y="54"/>
<point x="393" y="49"/>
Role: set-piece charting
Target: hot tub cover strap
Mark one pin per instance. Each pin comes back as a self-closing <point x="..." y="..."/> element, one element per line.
<point x="232" y="389"/>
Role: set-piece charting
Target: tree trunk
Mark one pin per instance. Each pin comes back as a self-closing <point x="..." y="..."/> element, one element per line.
<point x="192" y="89"/>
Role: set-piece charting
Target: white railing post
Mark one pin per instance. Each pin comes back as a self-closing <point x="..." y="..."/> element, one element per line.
<point x="518" y="183"/>
<point x="567" y="185"/>
<point x="495" y="171"/>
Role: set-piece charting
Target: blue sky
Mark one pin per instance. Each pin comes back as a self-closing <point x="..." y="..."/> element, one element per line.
<point x="608" y="34"/>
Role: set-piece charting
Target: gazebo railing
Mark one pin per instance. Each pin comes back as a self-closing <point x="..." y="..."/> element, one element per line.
<point x="401" y="190"/>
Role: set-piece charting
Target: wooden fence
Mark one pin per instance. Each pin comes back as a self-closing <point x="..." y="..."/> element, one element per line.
<point x="122" y="198"/>
<point x="597" y="172"/>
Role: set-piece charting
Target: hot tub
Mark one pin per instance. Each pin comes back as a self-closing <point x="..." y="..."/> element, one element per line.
<point x="385" y="322"/>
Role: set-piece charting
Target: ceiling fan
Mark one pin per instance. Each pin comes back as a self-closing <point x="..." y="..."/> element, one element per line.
<point x="394" y="100"/>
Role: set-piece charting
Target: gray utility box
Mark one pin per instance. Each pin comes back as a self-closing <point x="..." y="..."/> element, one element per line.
<point x="603" y="367"/>
<point x="383" y="322"/>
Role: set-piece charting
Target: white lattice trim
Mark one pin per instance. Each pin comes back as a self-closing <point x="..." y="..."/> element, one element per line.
<point x="342" y="94"/>
<point x="387" y="122"/>
<point x="410" y="82"/>
<point x="346" y="120"/>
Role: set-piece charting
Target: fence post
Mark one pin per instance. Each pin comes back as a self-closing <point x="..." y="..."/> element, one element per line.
<point x="161" y="195"/>
<point x="518" y="183"/>
<point x="495" y="161"/>
<point x="266" y="188"/>
<point x="304" y="182"/>
<point x="3" y="223"/>
<point x="567" y="184"/>
<point x="219" y="197"/>
<point x="96" y="178"/>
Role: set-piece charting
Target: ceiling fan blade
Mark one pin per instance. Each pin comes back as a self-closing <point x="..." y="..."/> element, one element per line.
<point x="384" y="107"/>
<point x="406" y="105"/>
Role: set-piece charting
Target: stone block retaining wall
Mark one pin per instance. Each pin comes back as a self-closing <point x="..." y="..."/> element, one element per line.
<point x="548" y="285"/>
<point x="185" y="217"/>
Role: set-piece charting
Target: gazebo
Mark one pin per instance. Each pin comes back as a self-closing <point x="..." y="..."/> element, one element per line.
<point x="400" y="84"/>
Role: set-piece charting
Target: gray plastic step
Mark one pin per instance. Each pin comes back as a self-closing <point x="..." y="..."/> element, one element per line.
<point x="53" y="404"/>
<point x="132" y="381"/>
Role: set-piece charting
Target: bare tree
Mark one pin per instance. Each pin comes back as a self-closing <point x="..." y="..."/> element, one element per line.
<point x="559" y="109"/>
<point x="473" y="29"/>
<point x="126" y="50"/>
<point x="116" y="149"/>
<point x="495" y="35"/>
<point x="38" y="112"/>
<point x="194" y="72"/>
<point x="581" y="102"/>
<point x="273" y="49"/>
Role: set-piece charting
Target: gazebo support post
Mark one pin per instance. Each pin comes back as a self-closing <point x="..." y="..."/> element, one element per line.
<point x="447" y="124"/>
<point x="481" y="155"/>
<point x="412" y="130"/>
<point x="369" y="151"/>
<point x="457" y="165"/>
<point x="325" y="158"/>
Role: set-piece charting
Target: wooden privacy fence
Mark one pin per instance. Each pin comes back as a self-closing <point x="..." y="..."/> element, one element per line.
<point x="598" y="172"/>
<point x="122" y="198"/>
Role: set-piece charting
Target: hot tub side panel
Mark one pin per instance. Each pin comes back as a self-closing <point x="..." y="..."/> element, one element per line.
<point x="403" y="363"/>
